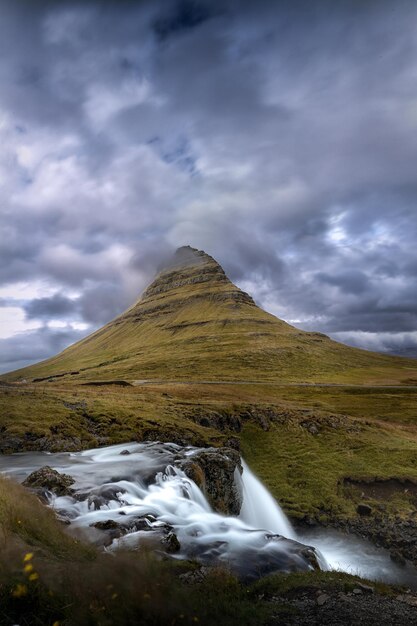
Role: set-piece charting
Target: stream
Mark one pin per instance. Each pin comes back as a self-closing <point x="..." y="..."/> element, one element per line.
<point x="134" y="494"/>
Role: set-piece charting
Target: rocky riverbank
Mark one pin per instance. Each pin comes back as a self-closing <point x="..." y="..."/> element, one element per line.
<point x="326" y="599"/>
<point x="328" y="607"/>
<point x="397" y="535"/>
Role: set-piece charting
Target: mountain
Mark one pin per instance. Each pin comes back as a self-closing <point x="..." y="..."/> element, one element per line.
<point x="193" y="324"/>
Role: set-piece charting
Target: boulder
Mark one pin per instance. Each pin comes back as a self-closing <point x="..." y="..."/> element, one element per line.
<point x="213" y="470"/>
<point x="49" y="479"/>
<point x="170" y="543"/>
<point x="107" y="524"/>
<point x="364" y="510"/>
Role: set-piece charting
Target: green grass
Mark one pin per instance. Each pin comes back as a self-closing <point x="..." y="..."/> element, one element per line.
<point x="305" y="472"/>
<point x="25" y="522"/>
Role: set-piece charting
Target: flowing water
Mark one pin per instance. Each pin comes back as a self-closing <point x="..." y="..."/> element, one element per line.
<point x="138" y="493"/>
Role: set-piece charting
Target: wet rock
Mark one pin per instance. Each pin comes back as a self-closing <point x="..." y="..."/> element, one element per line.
<point x="144" y="522"/>
<point x="95" y="502"/>
<point x="280" y="555"/>
<point x="124" y="453"/>
<point x="213" y="470"/>
<point x="310" y="556"/>
<point x="108" y="524"/>
<point x="396" y="535"/>
<point x="101" y="496"/>
<point x="10" y="443"/>
<point x="50" y="480"/>
<point x="364" y="509"/>
<point x="397" y="558"/>
<point x="171" y="543"/>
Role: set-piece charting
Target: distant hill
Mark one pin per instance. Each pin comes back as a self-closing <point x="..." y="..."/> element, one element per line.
<point x="193" y="324"/>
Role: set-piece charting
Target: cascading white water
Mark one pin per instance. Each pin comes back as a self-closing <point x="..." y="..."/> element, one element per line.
<point x="138" y="492"/>
<point x="259" y="509"/>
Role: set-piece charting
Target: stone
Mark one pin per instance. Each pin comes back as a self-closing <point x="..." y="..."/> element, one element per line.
<point x="50" y="480"/>
<point x="322" y="599"/>
<point x="364" y="509"/>
<point x="195" y="576"/>
<point x="366" y="588"/>
<point x="108" y="524"/>
<point x="171" y="543"/>
<point x="213" y="470"/>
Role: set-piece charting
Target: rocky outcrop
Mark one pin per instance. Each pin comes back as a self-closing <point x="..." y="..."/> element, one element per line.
<point x="213" y="470"/>
<point x="272" y="554"/>
<point x="48" y="479"/>
<point x="162" y="535"/>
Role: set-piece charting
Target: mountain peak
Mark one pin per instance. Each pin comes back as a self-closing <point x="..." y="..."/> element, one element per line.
<point x="187" y="256"/>
<point x="188" y="267"/>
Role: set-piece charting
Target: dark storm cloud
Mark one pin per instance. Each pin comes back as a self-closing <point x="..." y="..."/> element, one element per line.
<point x="183" y="15"/>
<point x="280" y="137"/>
<point x="57" y="306"/>
<point x="18" y="351"/>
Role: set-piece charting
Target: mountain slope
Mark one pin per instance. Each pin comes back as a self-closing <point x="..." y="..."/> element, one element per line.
<point x="193" y="324"/>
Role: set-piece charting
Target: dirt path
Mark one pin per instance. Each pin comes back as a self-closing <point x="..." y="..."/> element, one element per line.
<point x="269" y="383"/>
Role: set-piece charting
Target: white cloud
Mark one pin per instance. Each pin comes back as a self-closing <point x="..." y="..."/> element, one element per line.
<point x="12" y="321"/>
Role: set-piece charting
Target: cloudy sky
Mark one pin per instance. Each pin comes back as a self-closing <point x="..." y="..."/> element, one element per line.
<point x="279" y="137"/>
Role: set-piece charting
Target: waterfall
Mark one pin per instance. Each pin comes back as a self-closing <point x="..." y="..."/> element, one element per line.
<point x="135" y="494"/>
<point x="259" y="509"/>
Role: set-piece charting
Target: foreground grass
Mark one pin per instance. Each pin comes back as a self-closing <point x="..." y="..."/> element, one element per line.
<point x="47" y="577"/>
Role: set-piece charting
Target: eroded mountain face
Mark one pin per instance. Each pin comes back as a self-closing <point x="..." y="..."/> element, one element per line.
<point x="196" y="272"/>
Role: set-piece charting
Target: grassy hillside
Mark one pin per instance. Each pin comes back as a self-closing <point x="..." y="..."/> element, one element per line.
<point x="193" y="324"/>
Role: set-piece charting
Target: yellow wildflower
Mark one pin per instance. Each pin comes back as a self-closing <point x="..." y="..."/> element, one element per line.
<point x="28" y="568"/>
<point x="19" y="591"/>
<point x="33" y="577"/>
<point x="28" y="557"/>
